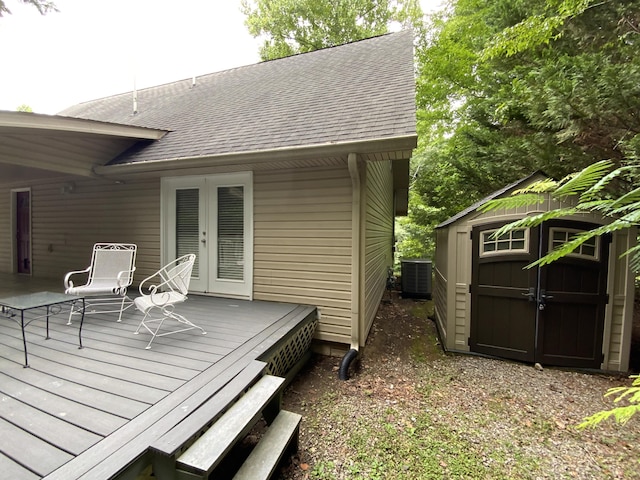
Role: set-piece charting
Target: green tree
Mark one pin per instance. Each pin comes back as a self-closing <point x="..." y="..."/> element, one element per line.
<point x="508" y="87"/>
<point x="297" y="26"/>
<point x="43" y="6"/>
<point x="24" y="108"/>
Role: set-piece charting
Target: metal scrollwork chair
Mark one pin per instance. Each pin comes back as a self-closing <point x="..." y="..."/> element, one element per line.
<point x="159" y="295"/>
<point x="109" y="276"/>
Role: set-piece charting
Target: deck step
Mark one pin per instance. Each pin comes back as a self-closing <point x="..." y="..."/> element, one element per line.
<point x="180" y="437"/>
<point x="199" y="460"/>
<point x="281" y="436"/>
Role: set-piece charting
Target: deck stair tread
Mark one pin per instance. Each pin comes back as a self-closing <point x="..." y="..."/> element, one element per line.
<point x="177" y="439"/>
<point x="209" y="450"/>
<point x="267" y="454"/>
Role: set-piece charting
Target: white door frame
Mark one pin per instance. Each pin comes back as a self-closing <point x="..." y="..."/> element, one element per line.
<point x="205" y="281"/>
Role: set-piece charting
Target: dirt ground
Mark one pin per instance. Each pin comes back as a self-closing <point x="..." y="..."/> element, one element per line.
<point x="515" y="420"/>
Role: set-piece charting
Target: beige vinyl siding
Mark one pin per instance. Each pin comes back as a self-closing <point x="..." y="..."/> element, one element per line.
<point x="617" y="334"/>
<point x="65" y="226"/>
<point x="378" y="238"/>
<point x="302" y="243"/>
<point x="462" y="300"/>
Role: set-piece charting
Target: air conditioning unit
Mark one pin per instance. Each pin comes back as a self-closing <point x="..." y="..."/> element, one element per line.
<point x="416" y="278"/>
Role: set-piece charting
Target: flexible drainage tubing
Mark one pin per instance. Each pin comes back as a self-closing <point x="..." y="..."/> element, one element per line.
<point x="350" y="356"/>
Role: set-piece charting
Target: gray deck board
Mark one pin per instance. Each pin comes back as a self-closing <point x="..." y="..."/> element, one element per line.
<point x="91" y="413"/>
<point x="84" y="393"/>
<point x="92" y="419"/>
<point x="52" y="429"/>
<point x="113" y="366"/>
<point x="135" y="437"/>
<point x="22" y="446"/>
<point x="15" y="471"/>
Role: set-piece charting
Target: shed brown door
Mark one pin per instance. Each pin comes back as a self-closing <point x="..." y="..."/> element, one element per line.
<point x="503" y="314"/>
<point x="573" y="297"/>
<point x="554" y="314"/>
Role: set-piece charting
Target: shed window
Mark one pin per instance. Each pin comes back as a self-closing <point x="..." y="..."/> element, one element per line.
<point x="516" y="241"/>
<point x="589" y="249"/>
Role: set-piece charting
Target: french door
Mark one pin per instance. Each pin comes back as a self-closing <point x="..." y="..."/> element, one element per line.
<point x="211" y="216"/>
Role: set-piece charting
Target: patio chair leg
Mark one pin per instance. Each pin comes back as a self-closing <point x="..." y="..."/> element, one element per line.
<point x="121" y="308"/>
<point x="71" y="313"/>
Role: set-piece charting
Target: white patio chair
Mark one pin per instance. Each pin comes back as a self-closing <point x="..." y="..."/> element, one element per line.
<point x="109" y="276"/>
<point x="159" y="295"/>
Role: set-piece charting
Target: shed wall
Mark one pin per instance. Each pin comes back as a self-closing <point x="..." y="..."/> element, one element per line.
<point x="440" y="283"/>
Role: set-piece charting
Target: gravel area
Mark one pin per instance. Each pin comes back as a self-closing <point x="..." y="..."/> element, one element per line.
<point x="411" y="411"/>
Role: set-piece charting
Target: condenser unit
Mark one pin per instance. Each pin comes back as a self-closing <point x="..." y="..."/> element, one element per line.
<point x="416" y="278"/>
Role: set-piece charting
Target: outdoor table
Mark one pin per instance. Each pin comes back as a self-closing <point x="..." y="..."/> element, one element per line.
<point x="52" y="302"/>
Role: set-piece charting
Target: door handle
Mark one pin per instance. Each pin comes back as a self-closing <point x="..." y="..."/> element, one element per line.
<point x="531" y="294"/>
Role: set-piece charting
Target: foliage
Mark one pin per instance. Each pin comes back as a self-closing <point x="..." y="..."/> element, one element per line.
<point x="43" y="6"/>
<point x="620" y="414"/>
<point x="601" y="188"/>
<point x="508" y="87"/>
<point x="297" y="26"/>
<point x="24" y="108"/>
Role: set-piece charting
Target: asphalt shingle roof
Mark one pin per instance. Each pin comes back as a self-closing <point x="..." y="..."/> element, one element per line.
<point x="355" y="92"/>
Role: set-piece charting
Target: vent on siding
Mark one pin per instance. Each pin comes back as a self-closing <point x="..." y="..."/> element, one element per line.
<point x="416" y="278"/>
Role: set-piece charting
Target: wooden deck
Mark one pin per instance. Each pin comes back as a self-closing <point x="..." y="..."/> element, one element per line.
<point x="91" y="413"/>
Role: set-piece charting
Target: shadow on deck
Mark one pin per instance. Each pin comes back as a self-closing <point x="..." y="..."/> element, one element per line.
<point x="93" y="412"/>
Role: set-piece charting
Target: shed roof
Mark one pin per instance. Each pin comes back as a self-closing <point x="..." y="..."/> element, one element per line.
<point x="498" y="193"/>
<point x="362" y="91"/>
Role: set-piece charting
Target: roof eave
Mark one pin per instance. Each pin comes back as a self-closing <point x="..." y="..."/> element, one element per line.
<point x="398" y="143"/>
<point x="16" y="122"/>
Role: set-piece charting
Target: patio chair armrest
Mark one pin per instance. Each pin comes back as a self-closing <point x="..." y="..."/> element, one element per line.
<point x="67" y="279"/>
<point x="125" y="278"/>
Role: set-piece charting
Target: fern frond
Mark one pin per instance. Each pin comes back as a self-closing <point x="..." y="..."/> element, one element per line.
<point x="541" y="186"/>
<point x="624" y="208"/>
<point x="596" y="190"/>
<point x="576" y="241"/>
<point x="534" y="220"/>
<point x="584" y="179"/>
<point x="513" y="201"/>
<point x="634" y="257"/>
<point x="631" y="197"/>
<point x="595" y="205"/>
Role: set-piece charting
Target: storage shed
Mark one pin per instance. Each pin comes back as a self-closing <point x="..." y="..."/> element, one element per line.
<point x="576" y="312"/>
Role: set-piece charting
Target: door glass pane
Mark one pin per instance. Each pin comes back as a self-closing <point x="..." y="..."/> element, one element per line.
<point x="231" y="233"/>
<point x="187" y="227"/>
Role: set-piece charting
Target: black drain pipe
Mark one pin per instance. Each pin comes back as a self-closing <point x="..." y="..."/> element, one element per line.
<point x="350" y="356"/>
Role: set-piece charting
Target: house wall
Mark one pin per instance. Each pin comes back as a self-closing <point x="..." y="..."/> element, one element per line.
<point x="65" y="226"/>
<point x="302" y="243"/>
<point x="379" y="225"/>
<point x="302" y="235"/>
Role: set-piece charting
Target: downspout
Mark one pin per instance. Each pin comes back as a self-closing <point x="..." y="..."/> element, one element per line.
<point x="354" y="172"/>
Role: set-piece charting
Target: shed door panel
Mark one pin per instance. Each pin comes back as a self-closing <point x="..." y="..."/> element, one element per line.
<point x="554" y="314"/>
<point x="571" y="320"/>
<point x="503" y="322"/>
